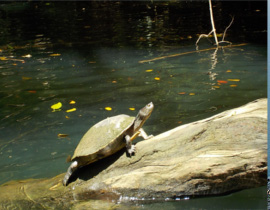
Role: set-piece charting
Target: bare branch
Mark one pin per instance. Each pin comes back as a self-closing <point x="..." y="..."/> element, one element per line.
<point x="224" y="34"/>
<point x="212" y="22"/>
<point x="214" y="29"/>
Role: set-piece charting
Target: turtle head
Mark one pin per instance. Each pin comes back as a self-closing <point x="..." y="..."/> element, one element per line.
<point x="146" y="111"/>
<point x="143" y="115"/>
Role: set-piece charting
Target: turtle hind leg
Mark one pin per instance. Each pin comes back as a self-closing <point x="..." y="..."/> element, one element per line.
<point x="73" y="166"/>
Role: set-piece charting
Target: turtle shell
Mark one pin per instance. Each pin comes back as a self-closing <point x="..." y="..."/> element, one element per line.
<point x="103" y="139"/>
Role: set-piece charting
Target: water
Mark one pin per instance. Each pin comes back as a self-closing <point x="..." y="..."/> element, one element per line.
<point x="105" y="69"/>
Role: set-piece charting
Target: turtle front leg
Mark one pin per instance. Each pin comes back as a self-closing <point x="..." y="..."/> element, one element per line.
<point x="130" y="147"/>
<point x="144" y="135"/>
<point x="73" y="166"/>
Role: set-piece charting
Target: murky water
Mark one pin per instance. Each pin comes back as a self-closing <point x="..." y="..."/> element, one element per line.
<point x="185" y="87"/>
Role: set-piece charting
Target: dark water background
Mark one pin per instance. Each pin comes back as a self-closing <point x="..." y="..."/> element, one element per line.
<point x="90" y="52"/>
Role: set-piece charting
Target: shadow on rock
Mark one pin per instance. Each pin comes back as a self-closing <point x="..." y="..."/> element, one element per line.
<point x="89" y="171"/>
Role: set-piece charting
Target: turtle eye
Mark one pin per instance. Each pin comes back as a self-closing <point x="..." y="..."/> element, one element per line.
<point x="150" y="104"/>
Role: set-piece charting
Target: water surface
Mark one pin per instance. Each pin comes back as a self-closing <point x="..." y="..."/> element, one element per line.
<point x="98" y="64"/>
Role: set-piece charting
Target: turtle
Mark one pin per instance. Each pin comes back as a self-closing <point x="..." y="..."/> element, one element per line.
<point x="107" y="137"/>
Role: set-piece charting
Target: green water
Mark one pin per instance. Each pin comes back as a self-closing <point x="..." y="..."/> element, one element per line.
<point x="98" y="70"/>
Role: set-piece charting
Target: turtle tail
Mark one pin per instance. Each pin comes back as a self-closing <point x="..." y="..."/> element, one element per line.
<point x="73" y="166"/>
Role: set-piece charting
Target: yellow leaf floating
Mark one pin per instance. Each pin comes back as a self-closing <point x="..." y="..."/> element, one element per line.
<point x="56" y="106"/>
<point x="72" y="102"/>
<point x="233" y="80"/>
<point x="192" y="94"/>
<point x="55" y="54"/>
<point x="148" y="70"/>
<point x="132" y="108"/>
<point x="71" y="110"/>
<point x="215" y="87"/>
<point x="157" y="78"/>
<point x="108" y="108"/>
<point x="229" y="70"/>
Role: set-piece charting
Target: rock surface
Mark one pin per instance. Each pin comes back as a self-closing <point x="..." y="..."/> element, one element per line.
<point x="218" y="155"/>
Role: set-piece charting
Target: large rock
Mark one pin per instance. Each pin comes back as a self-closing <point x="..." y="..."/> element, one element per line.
<point x="221" y="154"/>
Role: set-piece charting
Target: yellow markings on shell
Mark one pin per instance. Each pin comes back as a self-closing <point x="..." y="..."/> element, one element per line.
<point x="55" y="186"/>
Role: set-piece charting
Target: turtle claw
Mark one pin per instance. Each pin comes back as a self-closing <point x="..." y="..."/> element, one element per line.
<point x="132" y="150"/>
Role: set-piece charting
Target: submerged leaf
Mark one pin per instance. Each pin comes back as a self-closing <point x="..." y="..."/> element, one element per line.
<point x="55" y="54"/>
<point x="229" y="70"/>
<point x="192" y="94"/>
<point x="233" y="85"/>
<point x="182" y="93"/>
<point x="61" y="135"/>
<point x="3" y="58"/>
<point x="26" y="78"/>
<point x="148" y="70"/>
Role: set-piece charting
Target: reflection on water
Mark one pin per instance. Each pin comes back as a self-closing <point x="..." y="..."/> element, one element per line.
<point x="246" y="199"/>
<point x="185" y="85"/>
